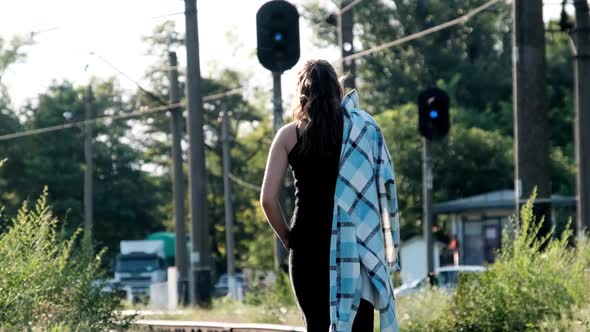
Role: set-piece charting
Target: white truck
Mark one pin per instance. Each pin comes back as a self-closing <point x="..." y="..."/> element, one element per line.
<point x="140" y="264"/>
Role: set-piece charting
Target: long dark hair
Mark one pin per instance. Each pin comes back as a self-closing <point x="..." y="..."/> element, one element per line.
<point x="320" y="94"/>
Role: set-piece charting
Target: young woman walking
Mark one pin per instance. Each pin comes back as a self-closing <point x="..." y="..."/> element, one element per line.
<point x="343" y="236"/>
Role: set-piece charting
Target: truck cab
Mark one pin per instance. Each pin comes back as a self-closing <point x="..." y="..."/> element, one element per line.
<point x="140" y="264"/>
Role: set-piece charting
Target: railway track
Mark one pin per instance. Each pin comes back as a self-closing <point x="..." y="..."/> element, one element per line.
<point x="192" y="326"/>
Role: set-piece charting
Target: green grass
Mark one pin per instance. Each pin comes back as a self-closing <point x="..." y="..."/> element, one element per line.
<point x="230" y="311"/>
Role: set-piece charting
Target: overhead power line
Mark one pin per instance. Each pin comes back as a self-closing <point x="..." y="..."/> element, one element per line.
<point x="40" y="31"/>
<point x="90" y="121"/>
<point x="556" y="3"/>
<point x="459" y="20"/>
<point x="243" y="183"/>
<point x="142" y="111"/>
<point x="157" y="98"/>
<point x="223" y="94"/>
<point x="168" y="15"/>
<point x="349" y="6"/>
<point x="331" y="19"/>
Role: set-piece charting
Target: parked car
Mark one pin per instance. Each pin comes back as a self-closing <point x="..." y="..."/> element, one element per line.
<point x="221" y="287"/>
<point x="445" y="277"/>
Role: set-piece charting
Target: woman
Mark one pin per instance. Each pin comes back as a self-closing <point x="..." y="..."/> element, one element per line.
<point x="312" y="146"/>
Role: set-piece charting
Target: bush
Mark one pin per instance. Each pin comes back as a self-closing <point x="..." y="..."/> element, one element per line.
<point x="277" y="300"/>
<point x="526" y="288"/>
<point x="577" y="321"/>
<point x="49" y="280"/>
<point x="417" y="311"/>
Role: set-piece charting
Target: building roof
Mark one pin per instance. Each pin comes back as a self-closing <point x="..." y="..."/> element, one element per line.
<point x="494" y="200"/>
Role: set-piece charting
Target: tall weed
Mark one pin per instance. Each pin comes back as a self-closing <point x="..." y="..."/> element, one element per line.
<point x="416" y="312"/>
<point x="533" y="281"/>
<point x="49" y="279"/>
<point x="535" y="278"/>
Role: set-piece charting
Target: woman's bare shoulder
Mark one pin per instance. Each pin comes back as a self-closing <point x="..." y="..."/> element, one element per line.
<point x="287" y="134"/>
<point x="289" y="126"/>
<point x="286" y="131"/>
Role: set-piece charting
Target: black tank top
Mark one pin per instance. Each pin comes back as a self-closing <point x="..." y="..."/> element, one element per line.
<point x="315" y="184"/>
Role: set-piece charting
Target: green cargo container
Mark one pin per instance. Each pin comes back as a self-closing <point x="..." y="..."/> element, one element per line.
<point x="169" y="245"/>
<point x="169" y="239"/>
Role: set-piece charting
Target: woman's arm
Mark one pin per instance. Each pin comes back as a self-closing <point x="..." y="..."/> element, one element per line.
<point x="276" y="165"/>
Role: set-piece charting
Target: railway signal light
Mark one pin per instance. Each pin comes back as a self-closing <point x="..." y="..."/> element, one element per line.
<point x="277" y="31"/>
<point x="433" y="114"/>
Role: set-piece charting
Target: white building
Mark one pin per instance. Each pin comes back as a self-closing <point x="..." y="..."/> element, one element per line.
<point x="413" y="258"/>
<point x="477" y="222"/>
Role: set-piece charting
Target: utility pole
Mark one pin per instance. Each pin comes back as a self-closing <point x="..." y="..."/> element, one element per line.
<point x="427" y="176"/>
<point x="345" y="42"/>
<point x="433" y="124"/>
<point x="277" y="101"/>
<point x="277" y="49"/>
<point x="427" y="203"/>
<point x="200" y="270"/>
<point x="88" y="206"/>
<point x="229" y="210"/>
<point x="279" y="250"/>
<point x="531" y="142"/>
<point x="178" y="182"/>
<point x="581" y="48"/>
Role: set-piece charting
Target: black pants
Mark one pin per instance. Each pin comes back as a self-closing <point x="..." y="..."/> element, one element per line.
<point x="363" y="321"/>
<point x="312" y="292"/>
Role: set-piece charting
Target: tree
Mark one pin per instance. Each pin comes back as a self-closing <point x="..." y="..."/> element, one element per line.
<point x="469" y="161"/>
<point x="125" y="196"/>
<point x="561" y="114"/>
<point x="474" y="56"/>
<point x="156" y="146"/>
<point x="472" y="62"/>
<point x="10" y="53"/>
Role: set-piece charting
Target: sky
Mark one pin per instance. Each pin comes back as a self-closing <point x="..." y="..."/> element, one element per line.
<point x="70" y="30"/>
<point x="73" y="29"/>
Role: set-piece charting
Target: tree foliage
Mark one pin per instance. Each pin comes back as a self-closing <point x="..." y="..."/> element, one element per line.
<point x="469" y="161"/>
<point x="133" y="185"/>
<point x="125" y="196"/>
<point x="472" y="62"/>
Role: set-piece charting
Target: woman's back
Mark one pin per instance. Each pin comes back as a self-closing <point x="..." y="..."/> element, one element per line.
<point x="314" y="180"/>
<point x="314" y="177"/>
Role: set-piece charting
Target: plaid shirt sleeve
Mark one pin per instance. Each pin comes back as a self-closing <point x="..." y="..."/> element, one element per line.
<point x="387" y="201"/>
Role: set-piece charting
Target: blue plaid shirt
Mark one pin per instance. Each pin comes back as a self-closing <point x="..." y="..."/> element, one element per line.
<point x="365" y="224"/>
